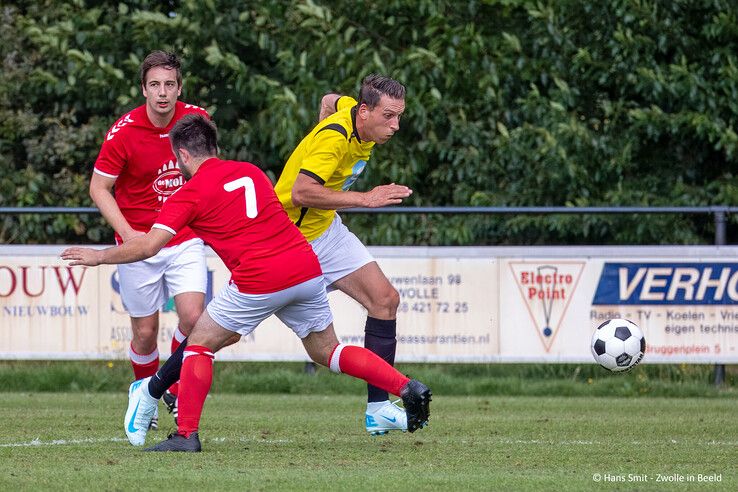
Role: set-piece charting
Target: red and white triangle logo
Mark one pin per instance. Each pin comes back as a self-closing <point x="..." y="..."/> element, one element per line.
<point x="547" y="289"/>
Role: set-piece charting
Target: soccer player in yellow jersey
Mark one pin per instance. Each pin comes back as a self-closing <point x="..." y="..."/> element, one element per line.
<point x="316" y="182"/>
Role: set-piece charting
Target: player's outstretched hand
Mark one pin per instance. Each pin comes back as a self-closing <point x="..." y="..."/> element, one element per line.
<point x="391" y="194"/>
<point x="82" y="256"/>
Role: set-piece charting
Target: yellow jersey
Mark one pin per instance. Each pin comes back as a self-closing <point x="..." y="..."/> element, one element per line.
<point x="333" y="155"/>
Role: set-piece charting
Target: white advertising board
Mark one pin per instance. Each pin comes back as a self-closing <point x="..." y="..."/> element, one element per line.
<point x="456" y="305"/>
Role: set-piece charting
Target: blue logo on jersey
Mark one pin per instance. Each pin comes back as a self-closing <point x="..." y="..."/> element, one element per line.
<point x="667" y="284"/>
<point x="355" y="172"/>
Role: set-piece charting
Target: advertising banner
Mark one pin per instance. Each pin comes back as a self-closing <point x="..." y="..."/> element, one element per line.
<point x="456" y="305"/>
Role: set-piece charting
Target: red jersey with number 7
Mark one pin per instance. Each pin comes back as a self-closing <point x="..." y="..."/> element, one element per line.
<point x="232" y="206"/>
<point x="138" y="155"/>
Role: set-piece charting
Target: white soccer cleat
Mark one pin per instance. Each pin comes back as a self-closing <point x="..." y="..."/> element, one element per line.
<point x="141" y="409"/>
<point x="384" y="417"/>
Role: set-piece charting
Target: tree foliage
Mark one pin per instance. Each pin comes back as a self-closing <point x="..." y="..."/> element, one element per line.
<point x="510" y="103"/>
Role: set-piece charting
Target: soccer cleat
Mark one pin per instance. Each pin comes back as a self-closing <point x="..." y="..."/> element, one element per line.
<point x="141" y="409"/>
<point x="170" y="401"/>
<point x="416" y="398"/>
<point x="386" y="418"/>
<point x="179" y="443"/>
<point x="154" y="424"/>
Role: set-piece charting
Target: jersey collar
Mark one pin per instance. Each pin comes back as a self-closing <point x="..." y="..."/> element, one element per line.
<point x="354" y="133"/>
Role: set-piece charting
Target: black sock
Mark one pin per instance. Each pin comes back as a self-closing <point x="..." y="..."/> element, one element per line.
<point x="168" y="374"/>
<point x="380" y="338"/>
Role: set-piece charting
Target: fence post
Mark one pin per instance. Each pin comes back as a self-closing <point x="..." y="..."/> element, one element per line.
<point x="720" y="224"/>
<point x="310" y="368"/>
<point x="720" y="240"/>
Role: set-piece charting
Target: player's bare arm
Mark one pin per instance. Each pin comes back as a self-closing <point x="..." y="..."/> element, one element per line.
<point x="136" y="249"/>
<point x="101" y="192"/>
<point x="328" y="105"/>
<point x="307" y="192"/>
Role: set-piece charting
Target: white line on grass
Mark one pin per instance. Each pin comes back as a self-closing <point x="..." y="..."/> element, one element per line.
<point x="596" y="443"/>
<point x="60" y="442"/>
<point x="70" y="442"/>
<point x="540" y="441"/>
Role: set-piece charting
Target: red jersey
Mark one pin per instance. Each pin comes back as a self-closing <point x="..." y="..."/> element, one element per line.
<point x="139" y="156"/>
<point x="232" y="206"/>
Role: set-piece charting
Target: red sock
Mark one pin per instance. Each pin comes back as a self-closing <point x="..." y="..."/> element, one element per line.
<point x="365" y="364"/>
<point x="177" y="338"/>
<point x="194" y="383"/>
<point x="143" y="365"/>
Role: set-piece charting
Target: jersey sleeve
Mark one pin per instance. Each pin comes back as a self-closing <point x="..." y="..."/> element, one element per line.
<point x="345" y="102"/>
<point x="178" y="211"/>
<point x="327" y="150"/>
<point x="112" y="157"/>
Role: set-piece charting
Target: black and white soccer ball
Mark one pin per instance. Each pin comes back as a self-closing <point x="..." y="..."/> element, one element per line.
<point x="618" y="345"/>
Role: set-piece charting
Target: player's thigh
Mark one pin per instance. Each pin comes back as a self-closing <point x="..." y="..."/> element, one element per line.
<point x="189" y="306"/>
<point x="208" y="333"/>
<point x="339" y="252"/>
<point x="305" y="307"/>
<point x="239" y="312"/>
<point x="142" y="288"/>
<point x="370" y="287"/>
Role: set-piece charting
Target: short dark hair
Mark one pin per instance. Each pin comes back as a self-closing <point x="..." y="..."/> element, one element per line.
<point x="195" y="133"/>
<point x="164" y="59"/>
<point x="374" y="86"/>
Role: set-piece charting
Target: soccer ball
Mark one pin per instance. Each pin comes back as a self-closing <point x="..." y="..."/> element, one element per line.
<point x="618" y="345"/>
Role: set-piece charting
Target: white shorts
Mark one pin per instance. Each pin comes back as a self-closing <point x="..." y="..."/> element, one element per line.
<point x="145" y="286"/>
<point x="339" y="252"/>
<point x="303" y="307"/>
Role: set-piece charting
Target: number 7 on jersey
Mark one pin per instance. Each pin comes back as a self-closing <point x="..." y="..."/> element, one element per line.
<point x="249" y="191"/>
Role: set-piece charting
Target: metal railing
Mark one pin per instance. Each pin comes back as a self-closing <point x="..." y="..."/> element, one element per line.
<point x="719" y="213"/>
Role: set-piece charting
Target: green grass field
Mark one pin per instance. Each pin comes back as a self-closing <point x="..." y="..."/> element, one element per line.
<point x="74" y="441"/>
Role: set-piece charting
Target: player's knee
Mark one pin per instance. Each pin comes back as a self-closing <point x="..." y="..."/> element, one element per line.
<point x="145" y="338"/>
<point x="320" y="357"/>
<point x="188" y="319"/>
<point x="319" y="347"/>
<point x="385" y="303"/>
<point x="393" y="300"/>
<point x="187" y="323"/>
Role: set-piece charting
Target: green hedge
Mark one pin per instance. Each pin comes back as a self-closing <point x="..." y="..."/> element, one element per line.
<point x="444" y="379"/>
<point x="510" y="103"/>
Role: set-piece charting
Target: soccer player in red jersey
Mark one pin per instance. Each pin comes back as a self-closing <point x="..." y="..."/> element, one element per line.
<point x="233" y="207"/>
<point x="135" y="173"/>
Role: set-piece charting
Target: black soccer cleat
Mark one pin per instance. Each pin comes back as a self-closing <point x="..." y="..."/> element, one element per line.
<point x="170" y="402"/>
<point x="179" y="443"/>
<point x="416" y="398"/>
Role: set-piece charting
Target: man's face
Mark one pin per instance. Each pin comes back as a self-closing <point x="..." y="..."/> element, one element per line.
<point x="383" y="121"/>
<point x="161" y="90"/>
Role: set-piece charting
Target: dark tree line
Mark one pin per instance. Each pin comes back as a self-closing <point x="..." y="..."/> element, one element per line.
<point x="510" y="103"/>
